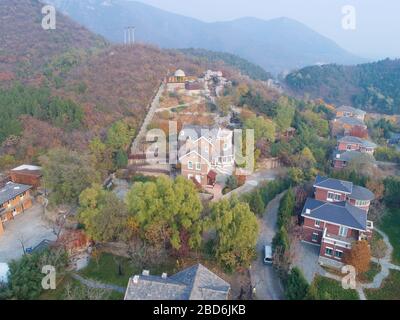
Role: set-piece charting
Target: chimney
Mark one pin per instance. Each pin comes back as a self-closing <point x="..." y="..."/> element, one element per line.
<point x="145" y="273"/>
<point x="308" y="211"/>
<point x="164" y="275"/>
<point x="136" y="279"/>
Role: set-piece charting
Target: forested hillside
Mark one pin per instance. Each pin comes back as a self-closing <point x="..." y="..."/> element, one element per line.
<point x="25" y="47"/>
<point x="373" y="86"/>
<point x="66" y="87"/>
<point x="252" y="70"/>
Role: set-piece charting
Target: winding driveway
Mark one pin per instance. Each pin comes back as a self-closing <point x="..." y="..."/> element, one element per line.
<point x="264" y="278"/>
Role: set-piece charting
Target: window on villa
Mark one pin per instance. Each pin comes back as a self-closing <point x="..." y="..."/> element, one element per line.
<point x="317" y="223"/>
<point x="343" y="231"/>
<point x="225" y="146"/>
<point x="198" y="166"/>
<point x="362" y="203"/>
<point x="315" y="237"/>
<point x="329" y="251"/>
<point x="333" y="196"/>
<point x="190" y="165"/>
<point x="338" y="254"/>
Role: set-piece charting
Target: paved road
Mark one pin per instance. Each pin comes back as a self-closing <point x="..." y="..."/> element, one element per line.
<point x="264" y="278"/>
<point x="254" y="180"/>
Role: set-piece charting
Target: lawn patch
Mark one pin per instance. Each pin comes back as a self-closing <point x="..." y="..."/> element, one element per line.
<point x="329" y="289"/>
<point x="390" y="225"/>
<point x="390" y="289"/>
<point x="116" y="270"/>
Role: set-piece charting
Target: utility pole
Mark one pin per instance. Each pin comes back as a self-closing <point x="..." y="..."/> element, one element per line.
<point x="129" y="35"/>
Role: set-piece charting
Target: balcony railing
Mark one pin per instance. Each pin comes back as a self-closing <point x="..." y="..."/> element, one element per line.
<point x="337" y="240"/>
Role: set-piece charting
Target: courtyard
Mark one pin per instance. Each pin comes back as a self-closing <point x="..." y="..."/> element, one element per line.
<point x="26" y="230"/>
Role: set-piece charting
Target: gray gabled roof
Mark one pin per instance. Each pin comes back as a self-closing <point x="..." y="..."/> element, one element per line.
<point x="351" y="155"/>
<point x="361" y="193"/>
<point x="203" y="284"/>
<point x="341" y="213"/>
<point x="351" y="109"/>
<point x="357" y="140"/>
<point x="194" y="283"/>
<point x="333" y="184"/>
<point x="11" y="190"/>
<point x="351" y="121"/>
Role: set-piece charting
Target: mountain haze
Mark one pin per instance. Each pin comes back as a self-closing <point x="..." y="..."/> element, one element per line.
<point x="277" y="45"/>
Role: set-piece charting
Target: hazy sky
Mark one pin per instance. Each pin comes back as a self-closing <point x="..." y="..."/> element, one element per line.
<point x="377" y="33"/>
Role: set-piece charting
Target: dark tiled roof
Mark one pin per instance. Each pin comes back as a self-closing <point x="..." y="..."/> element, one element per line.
<point x="351" y="109"/>
<point x="333" y="184"/>
<point x="357" y="140"/>
<point x="340" y="213"/>
<point x="11" y="190"/>
<point x="351" y="155"/>
<point x="361" y="193"/>
<point x="351" y="121"/>
<point x="195" y="283"/>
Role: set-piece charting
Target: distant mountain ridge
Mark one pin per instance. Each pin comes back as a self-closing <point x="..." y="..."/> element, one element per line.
<point x="370" y="86"/>
<point x="277" y="45"/>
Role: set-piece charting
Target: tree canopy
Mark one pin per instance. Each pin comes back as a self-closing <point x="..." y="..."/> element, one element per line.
<point x="164" y="209"/>
<point x="104" y="216"/>
<point x="66" y="174"/>
<point x="236" y="230"/>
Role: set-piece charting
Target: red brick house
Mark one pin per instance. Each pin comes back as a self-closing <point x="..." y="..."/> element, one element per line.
<point x="350" y="112"/>
<point x="27" y="174"/>
<point x="350" y="143"/>
<point x="14" y="199"/>
<point x="341" y="159"/>
<point x="336" y="217"/>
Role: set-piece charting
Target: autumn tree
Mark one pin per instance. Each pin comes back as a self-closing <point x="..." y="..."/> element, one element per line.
<point x="119" y="135"/>
<point x="165" y="208"/>
<point x="224" y="104"/>
<point x="66" y="174"/>
<point x="104" y="216"/>
<point x="284" y="113"/>
<point x="102" y="155"/>
<point x="379" y="248"/>
<point x="263" y="128"/>
<point x="359" y="256"/>
<point x="236" y="230"/>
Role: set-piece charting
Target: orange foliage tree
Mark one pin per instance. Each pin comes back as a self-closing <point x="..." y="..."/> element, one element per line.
<point x="359" y="256"/>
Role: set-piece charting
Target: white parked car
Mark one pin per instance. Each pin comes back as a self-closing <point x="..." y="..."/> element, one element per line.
<point x="267" y="254"/>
